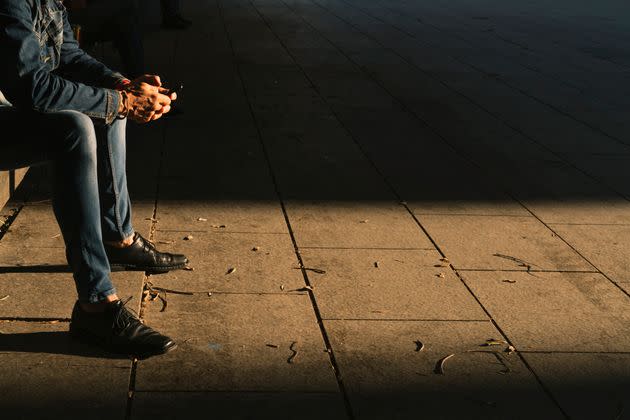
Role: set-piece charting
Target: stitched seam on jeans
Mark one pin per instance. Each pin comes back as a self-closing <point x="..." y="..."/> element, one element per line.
<point x="116" y="193"/>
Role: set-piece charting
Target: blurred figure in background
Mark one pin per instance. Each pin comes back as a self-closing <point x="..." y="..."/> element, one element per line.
<point x="112" y="20"/>
<point x="172" y="15"/>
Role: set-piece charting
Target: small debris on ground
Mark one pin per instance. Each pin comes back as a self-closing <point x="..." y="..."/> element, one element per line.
<point x="188" y="268"/>
<point x="151" y="219"/>
<point x="375" y="264"/>
<point x="188" y="238"/>
<point x="165" y="242"/>
<point x="218" y="226"/>
<point x="209" y="294"/>
<point x="202" y="219"/>
<point x="162" y="297"/>
<point x="230" y="270"/>
<point x="256" y="248"/>
<point x="273" y="346"/>
<point x="419" y="345"/>
<point x="305" y="289"/>
<point x="291" y="358"/>
<point x="282" y="287"/>
<point x="364" y="221"/>
<point x="314" y="270"/>
<point x="5" y="297"/>
<point x="509" y="281"/>
<point x="441" y="275"/>
<point x="439" y="366"/>
<point x="56" y="236"/>
<point x="493" y="342"/>
<point x="510" y="349"/>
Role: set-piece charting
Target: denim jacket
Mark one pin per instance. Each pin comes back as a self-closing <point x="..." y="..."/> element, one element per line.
<point x="42" y="66"/>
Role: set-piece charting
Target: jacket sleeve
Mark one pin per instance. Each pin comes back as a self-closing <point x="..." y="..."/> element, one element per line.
<point x="80" y="66"/>
<point x="28" y="82"/>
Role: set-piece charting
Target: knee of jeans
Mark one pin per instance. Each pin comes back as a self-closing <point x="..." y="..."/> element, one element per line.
<point x="81" y="137"/>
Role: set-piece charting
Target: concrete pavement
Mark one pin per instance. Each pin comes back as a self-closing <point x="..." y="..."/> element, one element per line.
<point x="394" y="209"/>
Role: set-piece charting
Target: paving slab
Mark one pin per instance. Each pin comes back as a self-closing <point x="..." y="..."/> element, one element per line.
<point x="47" y="375"/>
<point x="355" y="225"/>
<point x="49" y="294"/>
<point x="236" y="216"/>
<point x="587" y="386"/>
<point x="501" y="243"/>
<point x="388" y="284"/>
<point x="588" y="210"/>
<point x="238" y="342"/>
<point x="606" y="246"/>
<point x="386" y="377"/>
<point x="237" y="405"/>
<point x="263" y="263"/>
<point x="36" y="226"/>
<point x="581" y="312"/>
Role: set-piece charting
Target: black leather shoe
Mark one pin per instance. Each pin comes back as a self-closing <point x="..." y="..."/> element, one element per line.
<point x="142" y="255"/>
<point x="175" y="22"/>
<point x="119" y="331"/>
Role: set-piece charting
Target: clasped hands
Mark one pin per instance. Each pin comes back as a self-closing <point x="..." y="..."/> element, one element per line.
<point x="145" y="100"/>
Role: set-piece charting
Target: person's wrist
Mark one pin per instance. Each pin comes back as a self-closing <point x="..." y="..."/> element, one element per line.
<point x="122" y="84"/>
<point x="123" y="108"/>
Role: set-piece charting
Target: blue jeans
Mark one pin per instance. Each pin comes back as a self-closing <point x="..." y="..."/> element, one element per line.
<point x="90" y="197"/>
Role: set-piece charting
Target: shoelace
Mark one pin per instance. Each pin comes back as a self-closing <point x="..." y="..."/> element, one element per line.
<point x="124" y="315"/>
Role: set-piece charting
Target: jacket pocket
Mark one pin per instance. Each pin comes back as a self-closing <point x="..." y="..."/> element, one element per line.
<point x="51" y="36"/>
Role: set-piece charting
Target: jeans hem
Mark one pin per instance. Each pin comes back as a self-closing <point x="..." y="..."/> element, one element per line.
<point x="100" y="296"/>
<point x="118" y="236"/>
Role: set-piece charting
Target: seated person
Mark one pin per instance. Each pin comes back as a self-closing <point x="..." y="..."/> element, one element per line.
<point x="71" y="110"/>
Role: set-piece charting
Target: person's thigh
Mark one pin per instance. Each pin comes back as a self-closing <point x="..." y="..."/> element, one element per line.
<point x="38" y="137"/>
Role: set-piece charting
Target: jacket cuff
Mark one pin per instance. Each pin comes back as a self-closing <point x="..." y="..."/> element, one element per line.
<point x="113" y="104"/>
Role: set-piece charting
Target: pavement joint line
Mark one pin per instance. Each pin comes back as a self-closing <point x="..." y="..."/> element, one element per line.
<point x="471" y="215"/>
<point x="572" y="352"/>
<point x="134" y="364"/>
<point x="405" y="320"/>
<point x="44" y="320"/>
<point x="507" y="58"/>
<point x="615" y="283"/>
<point x="588" y="224"/>
<point x="523" y="92"/>
<point x="315" y="306"/>
<point x="414" y="114"/>
<point x="496" y="325"/>
<point x="507" y="270"/>
<point x="228" y="391"/>
<point x="546" y="390"/>
<point x="222" y="232"/>
<point x="446" y="85"/>
<point x="361" y="248"/>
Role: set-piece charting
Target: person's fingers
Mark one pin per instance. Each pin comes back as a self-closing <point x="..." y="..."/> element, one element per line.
<point x="165" y="109"/>
<point x="163" y="100"/>
<point x="173" y="96"/>
<point x="153" y="79"/>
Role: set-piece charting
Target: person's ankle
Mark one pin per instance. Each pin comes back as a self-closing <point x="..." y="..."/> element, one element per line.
<point x="99" y="307"/>
<point x="121" y="244"/>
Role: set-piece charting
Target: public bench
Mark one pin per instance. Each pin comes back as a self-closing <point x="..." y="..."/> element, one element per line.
<point x="9" y="181"/>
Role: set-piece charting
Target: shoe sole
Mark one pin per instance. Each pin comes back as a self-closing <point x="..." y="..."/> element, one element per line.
<point x="91" y="339"/>
<point x="148" y="270"/>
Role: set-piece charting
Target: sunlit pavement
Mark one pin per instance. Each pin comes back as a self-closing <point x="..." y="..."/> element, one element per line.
<point x="393" y="210"/>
